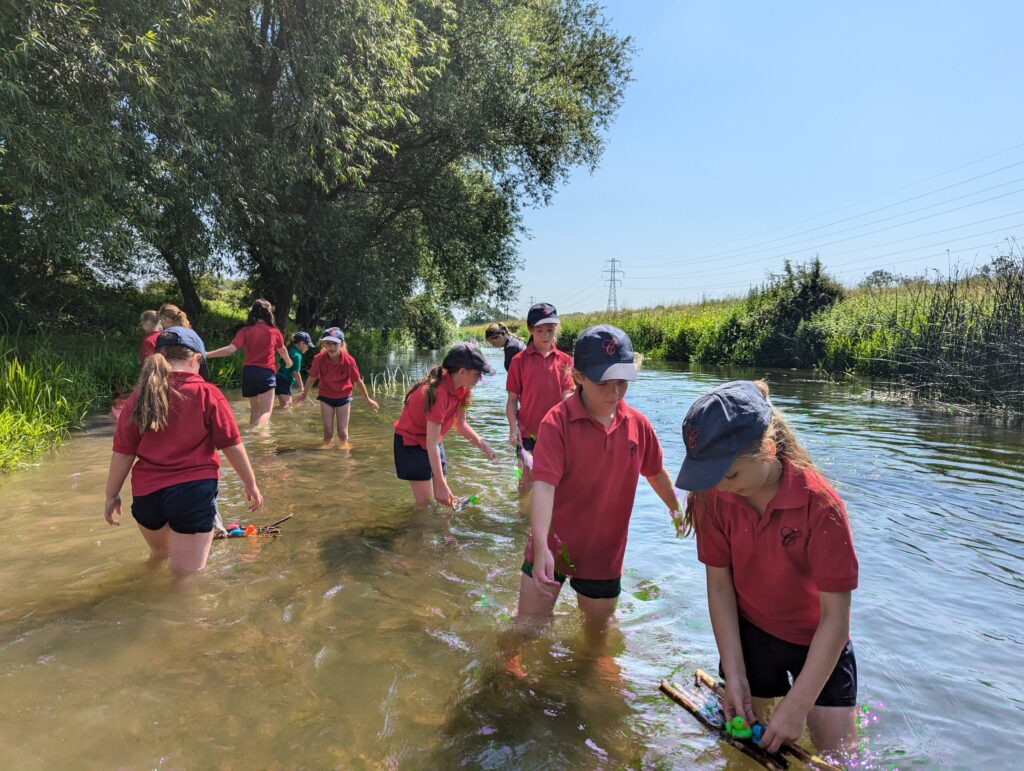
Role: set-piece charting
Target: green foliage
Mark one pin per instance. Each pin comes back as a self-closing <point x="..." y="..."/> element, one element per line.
<point x="429" y="323"/>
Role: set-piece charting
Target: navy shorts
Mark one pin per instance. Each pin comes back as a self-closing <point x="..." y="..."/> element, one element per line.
<point x="330" y="401"/>
<point x="283" y="386"/>
<point x="594" y="588"/>
<point x="529" y="443"/>
<point x="189" y="507"/>
<point x="412" y="462"/>
<point x="257" y="380"/>
<point x="770" y="663"/>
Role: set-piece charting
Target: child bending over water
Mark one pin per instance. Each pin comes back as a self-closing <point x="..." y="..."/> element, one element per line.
<point x="432" y="407"/>
<point x="776" y="544"/>
<point x="173" y="423"/>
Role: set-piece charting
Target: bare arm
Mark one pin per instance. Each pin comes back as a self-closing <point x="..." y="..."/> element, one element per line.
<point x="219" y="353"/>
<point x="787" y="723"/>
<point x="309" y="387"/>
<point x="725" y="621"/>
<point x="512" y="413"/>
<point x="541" y="508"/>
<point x="442" y="493"/>
<point x="239" y="460"/>
<point x="120" y="466"/>
<point x="298" y="379"/>
<point x="283" y="353"/>
<point x="662" y="485"/>
<point x="466" y="431"/>
<point x="366" y="395"/>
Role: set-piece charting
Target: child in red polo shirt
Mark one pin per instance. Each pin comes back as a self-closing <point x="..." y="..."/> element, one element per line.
<point x="432" y="407"/>
<point x="776" y="543"/>
<point x="174" y="422"/>
<point x="150" y="321"/>
<point x="260" y="338"/>
<point x="538" y="378"/>
<point x="592" y="449"/>
<point x="337" y="371"/>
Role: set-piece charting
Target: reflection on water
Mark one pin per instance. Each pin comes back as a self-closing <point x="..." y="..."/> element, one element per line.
<point x="369" y="634"/>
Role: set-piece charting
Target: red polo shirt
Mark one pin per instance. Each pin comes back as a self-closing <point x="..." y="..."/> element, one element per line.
<point x="199" y="424"/>
<point x="781" y="559"/>
<point x="595" y="473"/>
<point x="148" y="346"/>
<point x="336" y="377"/>
<point x="259" y="340"/>
<point x="539" y="381"/>
<point x="448" y="400"/>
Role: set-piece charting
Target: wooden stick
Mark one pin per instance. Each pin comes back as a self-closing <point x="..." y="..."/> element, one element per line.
<point x="700" y="677"/>
<point x="684" y="699"/>
<point x="278" y="522"/>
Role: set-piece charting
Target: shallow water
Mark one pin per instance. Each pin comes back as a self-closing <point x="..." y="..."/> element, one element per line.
<point x="369" y="635"/>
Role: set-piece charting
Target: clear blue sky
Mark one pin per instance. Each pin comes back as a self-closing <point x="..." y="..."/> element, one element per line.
<point x="757" y="131"/>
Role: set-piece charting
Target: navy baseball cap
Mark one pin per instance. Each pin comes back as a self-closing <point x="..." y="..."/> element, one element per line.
<point x="181" y="336"/>
<point x="718" y="427"/>
<point x="304" y="337"/>
<point x="466" y="356"/>
<point x="604" y="352"/>
<point x="542" y="313"/>
<point x="333" y="335"/>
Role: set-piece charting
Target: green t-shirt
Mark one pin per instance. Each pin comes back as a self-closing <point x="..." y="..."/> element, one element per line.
<point x="287" y="374"/>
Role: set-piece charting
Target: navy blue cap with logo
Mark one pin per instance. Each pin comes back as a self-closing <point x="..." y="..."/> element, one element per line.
<point x="466" y="356"/>
<point x="304" y="337"/>
<point x="542" y="313"/>
<point x="181" y="336"/>
<point x="717" y="428"/>
<point x="604" y="352"/>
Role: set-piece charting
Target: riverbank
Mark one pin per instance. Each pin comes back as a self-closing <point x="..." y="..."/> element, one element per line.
<point x="958" y="340"/>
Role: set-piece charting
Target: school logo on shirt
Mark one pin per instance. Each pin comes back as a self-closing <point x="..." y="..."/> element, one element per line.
<point x="632" y="449"/>
<point x="790" y="536"/>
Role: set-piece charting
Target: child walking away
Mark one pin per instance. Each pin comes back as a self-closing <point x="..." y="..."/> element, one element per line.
<point x="591" y="451"/>
<point x="174" y="422"/>
<point x="432" y="407"/>
<point x="499" y="336"/>
<point x="260" y="338"/>
<point x="337" y="371"/>
<point x="538" y="378"/>
<point x="150" y="321"/>
<point x="171" y="315"/>
<point x="776" y="544"/>
<point x="287" y="376"/>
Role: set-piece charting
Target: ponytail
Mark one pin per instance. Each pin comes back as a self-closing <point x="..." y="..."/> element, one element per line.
<point x="431" y="380"/>
<point x="153" y="403"/>
<point x="174" y="315"/>
<point x="261" y="310"/>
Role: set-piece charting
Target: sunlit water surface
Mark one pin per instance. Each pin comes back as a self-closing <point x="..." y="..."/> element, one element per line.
<point x="369" y="635"/>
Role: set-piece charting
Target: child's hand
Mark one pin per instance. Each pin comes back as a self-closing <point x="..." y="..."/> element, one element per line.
<point x="737" y="700"/>
<point x="786" y="725"/>
<point x="544" y="570"/>
<point x="255" y="498"/>
<point x="300" y="398"/>
<point x="487" y="451"/>
<point x="111" y="507"/>
<point x="513" y="437"/>
<point x="373" y="406"/>
<point x="443" y="494"/>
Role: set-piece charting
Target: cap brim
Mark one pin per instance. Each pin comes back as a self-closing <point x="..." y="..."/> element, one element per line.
<point x="546" y="320"/>
<point x="331" y="340"/>
<point x="487" y="369"/>
<point x="622" y="371"/>
<point x="702" y="474"/>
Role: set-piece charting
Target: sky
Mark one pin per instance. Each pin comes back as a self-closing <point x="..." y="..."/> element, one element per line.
<point x="876" y="135"/>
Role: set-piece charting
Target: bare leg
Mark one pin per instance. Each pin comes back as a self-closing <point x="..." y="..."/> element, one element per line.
<point x="260" y="408"/>
<point x="596" y="613"/>
<point x="532" y="613"/>
<point x="832" y="728"/>
<point x="341" y="416"/>
<point x="327" y="416"/>
<point x="284" y="401"/>
<point x="189" y="551"/>
<point x="423" y="492"/>
<point x="157" y="541"/>
<point x="525" y="480"/>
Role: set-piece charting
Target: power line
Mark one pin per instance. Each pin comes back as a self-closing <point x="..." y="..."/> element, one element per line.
<point x="613" y="303"/>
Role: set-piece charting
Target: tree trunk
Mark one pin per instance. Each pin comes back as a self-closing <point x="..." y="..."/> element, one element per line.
<point x="182" y="273"/>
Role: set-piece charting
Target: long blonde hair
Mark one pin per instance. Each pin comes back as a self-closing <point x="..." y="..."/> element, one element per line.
<point x="787" y="447"/>
<point x="174" y="315"/>
<point x="153" y="403"/>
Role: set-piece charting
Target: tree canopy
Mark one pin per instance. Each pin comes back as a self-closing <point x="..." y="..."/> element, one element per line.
<point x="348" y="157"/>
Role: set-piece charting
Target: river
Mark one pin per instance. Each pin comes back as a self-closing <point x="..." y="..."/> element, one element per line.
<point x="369" y="635"/>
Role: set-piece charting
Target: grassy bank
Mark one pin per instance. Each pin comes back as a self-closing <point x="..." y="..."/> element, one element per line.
<point x="957" y="340"/>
